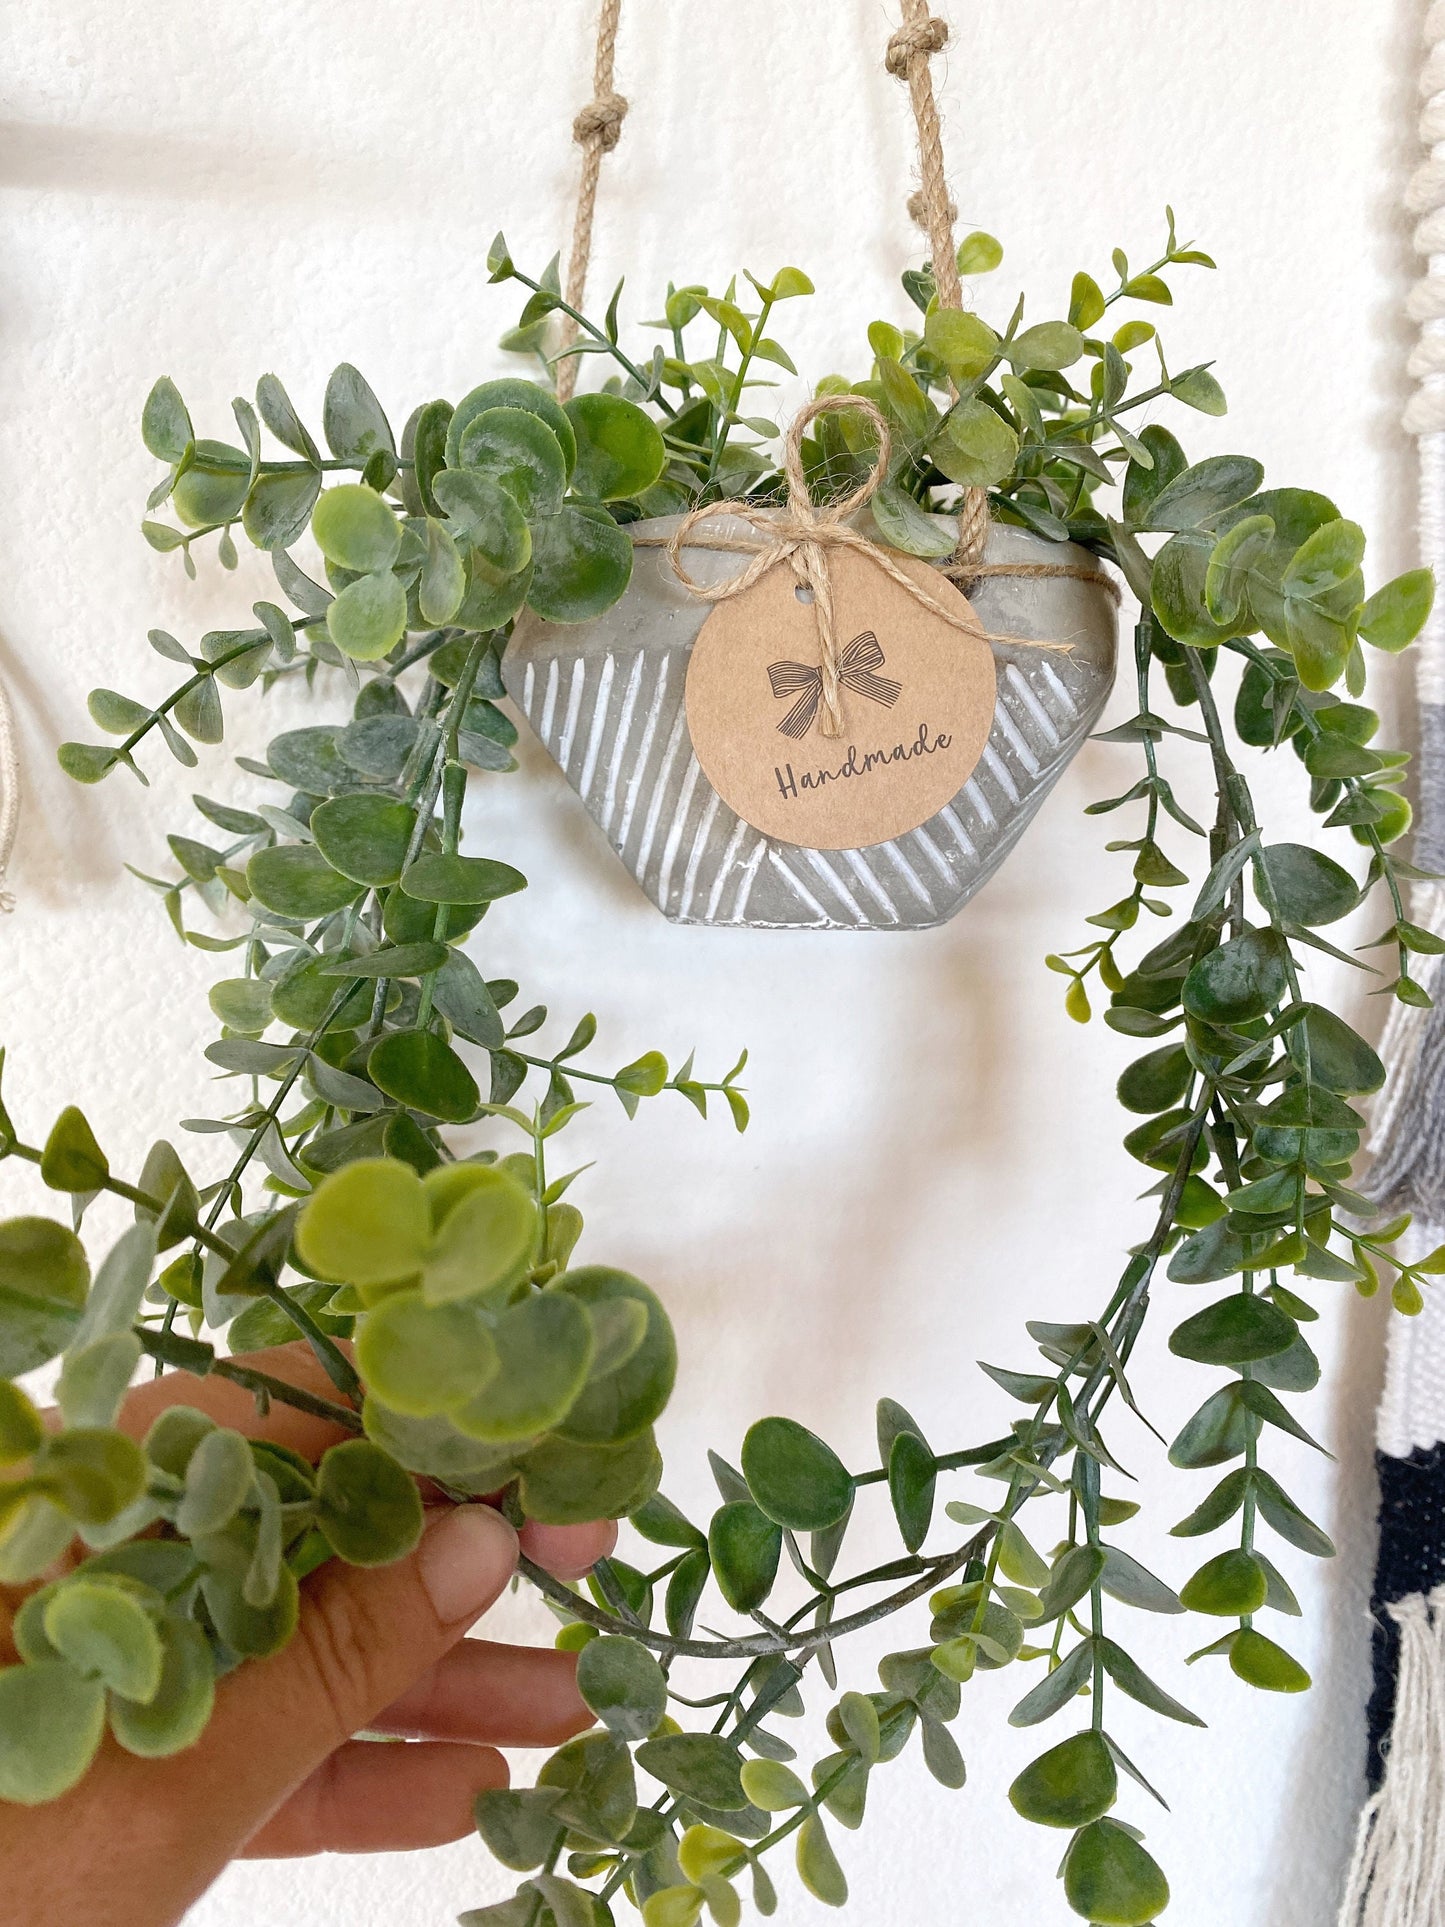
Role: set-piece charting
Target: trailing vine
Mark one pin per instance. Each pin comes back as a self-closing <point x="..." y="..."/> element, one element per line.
<point x="359" y="1033"/>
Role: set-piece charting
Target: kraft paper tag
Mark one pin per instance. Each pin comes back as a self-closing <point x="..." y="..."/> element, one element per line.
<point x="917" y="696"/>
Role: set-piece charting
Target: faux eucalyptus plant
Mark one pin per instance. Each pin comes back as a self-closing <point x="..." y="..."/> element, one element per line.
<point x="360" y="1033"/>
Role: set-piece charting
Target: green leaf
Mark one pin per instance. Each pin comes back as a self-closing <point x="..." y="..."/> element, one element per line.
<point x="904" y="525"/>
<point x="564" y="1483"/>
<point x="363" y="837"/>
<point x="912" y="1476"/>
<point x="1397" y="612"/>
<point x="619" y="449"/>
<point x="487" y="517"/>
<point x="1240" y="980"/>
<point x="818" y="1867"/>
<point x="1131" y="1679"/>
<point x="295" y="880"/>
<point x="95" y="1378"/>
<point x="242" y="1004"/>
<point x="367" y="1224"/>
<point x="1234" y="1331"/>
<point x="51" y="1721"/>
<point x="963" y="342"/>
<point x="424" y="1073"/>
<point x="1310" y="888"/>
<point x="544" y="1348"/>
<point x="522" y="455"/>
<point x="1220" y="1507"/>
<point x="485" y="1234"/>
<point x="352" y="419"/>
<point x="1125" y="1579"/>
<point x="366" y="1504"/>
<point x="1340" y="1059"/>
<point x="1111" y="1880"/>
<point x="256" y="1631"/>
<point x="1051" y="346"/>
<point x="1056" y="1688"/>
<point x="165" y="424"/>
<point x="581" y="565"/>
<point x="368" y="618"/>
<point x="218" y="1480"/>
<point x="773" y="1787"/>
<point x="91" y="1473"/>
<point x="1197" y="388"/>
<point x="179" y="1710"/>
<point x="1226" y="581"/>
<point x="438" y="878"/>
<point x="623" y="1685"/>
<point x="518" y="1826"/>
<point x="1177" y="591"/>
<point x="1230" y="1585"/>
<point x="1073" y="1783"/>
<point x="443" y="581"/>
<point x="1259" y="1662"/>
<point x="44" y="1279"/>
<point x="72" y="1160"/>
<point x="700" y="1766"/>
<point x="1202" y="493"/>
<point x="796" y="1479"/>
<point x="1280" y="1512"/>
<point x="278" y="507"/>
<point x="422" y="1359"/>
<point x="1086" y="301"/>
<point x="745" y="1546"/>
<point x="975" y="446"/>
<point x="21" y="1429"/>
<point x="625" y="1400"/>
<point x="1220" y="1430"/>
<point x="1156" y="1082"/>
<point x="106" y="1634"/>
<point x="1073" y="1575"/>
<point x="510" y="394"/>
<point x="356" y="529"/>
<point x="978" y="253"/>
<point x="86" y="762"/>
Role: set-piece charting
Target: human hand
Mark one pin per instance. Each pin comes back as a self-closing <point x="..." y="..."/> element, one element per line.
<point x="277" y="1771"/>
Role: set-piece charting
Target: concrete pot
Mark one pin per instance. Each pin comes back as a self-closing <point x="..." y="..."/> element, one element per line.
<point x="606" y="698"/>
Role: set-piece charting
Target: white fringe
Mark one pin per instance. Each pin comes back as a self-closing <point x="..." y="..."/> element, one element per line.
<point x="1397" y="1874"/>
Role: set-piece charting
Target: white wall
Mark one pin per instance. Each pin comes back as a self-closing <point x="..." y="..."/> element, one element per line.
<point x="212" y="192"/>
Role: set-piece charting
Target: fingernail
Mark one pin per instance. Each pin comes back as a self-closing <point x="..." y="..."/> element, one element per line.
<point x="467" y="1555"/>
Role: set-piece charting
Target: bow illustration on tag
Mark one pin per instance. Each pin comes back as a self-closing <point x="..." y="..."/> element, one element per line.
<point x="856" y="666"/>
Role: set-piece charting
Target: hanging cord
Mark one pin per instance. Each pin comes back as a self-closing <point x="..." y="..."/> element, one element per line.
<point x="909" y="52"/>
<point x="596" y="130"/>
<point x="9" y="794"/>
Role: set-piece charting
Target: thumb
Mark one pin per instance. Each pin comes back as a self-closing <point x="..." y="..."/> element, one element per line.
<point x="363" y="1637"/>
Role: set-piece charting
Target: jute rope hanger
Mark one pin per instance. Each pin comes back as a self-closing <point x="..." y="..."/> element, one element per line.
<point x="803" y="533"/>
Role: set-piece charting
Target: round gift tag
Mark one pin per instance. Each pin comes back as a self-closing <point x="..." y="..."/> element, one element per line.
<point x="917" y="695"/>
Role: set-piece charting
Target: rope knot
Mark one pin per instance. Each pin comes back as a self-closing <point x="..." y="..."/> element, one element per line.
<point x="915" y="39"/>
<point x="600" y="121"/>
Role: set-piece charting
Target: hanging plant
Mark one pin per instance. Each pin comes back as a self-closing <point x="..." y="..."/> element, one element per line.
<point x="483" y="1358"/>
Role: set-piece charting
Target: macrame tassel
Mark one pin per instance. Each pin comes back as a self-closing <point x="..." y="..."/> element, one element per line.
<point x="1409" y="1123"/>
<point x="1408" y="1134"/>
<point x="1397" y="1874"/>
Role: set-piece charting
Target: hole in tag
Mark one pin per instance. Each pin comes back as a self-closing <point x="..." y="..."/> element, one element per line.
<point x="803" y="592"/>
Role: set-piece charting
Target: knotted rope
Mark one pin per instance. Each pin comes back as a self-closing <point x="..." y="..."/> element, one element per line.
<point x="921" y="36"/>
<point x="596" y="130"/>
<point x="805" y="535"/>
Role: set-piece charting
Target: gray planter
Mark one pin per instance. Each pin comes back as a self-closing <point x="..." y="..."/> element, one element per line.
<point x="606" y="697"/>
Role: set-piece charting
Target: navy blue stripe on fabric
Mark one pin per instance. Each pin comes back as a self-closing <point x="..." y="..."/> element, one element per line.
<point x="1411" y="1559"/>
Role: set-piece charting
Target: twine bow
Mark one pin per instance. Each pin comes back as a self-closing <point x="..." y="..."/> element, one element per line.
<point x="805" y="535"/>
<point x="856" y="666"/>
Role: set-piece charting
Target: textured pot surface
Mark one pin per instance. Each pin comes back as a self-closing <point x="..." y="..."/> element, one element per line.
<point x="606" y="698"/>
